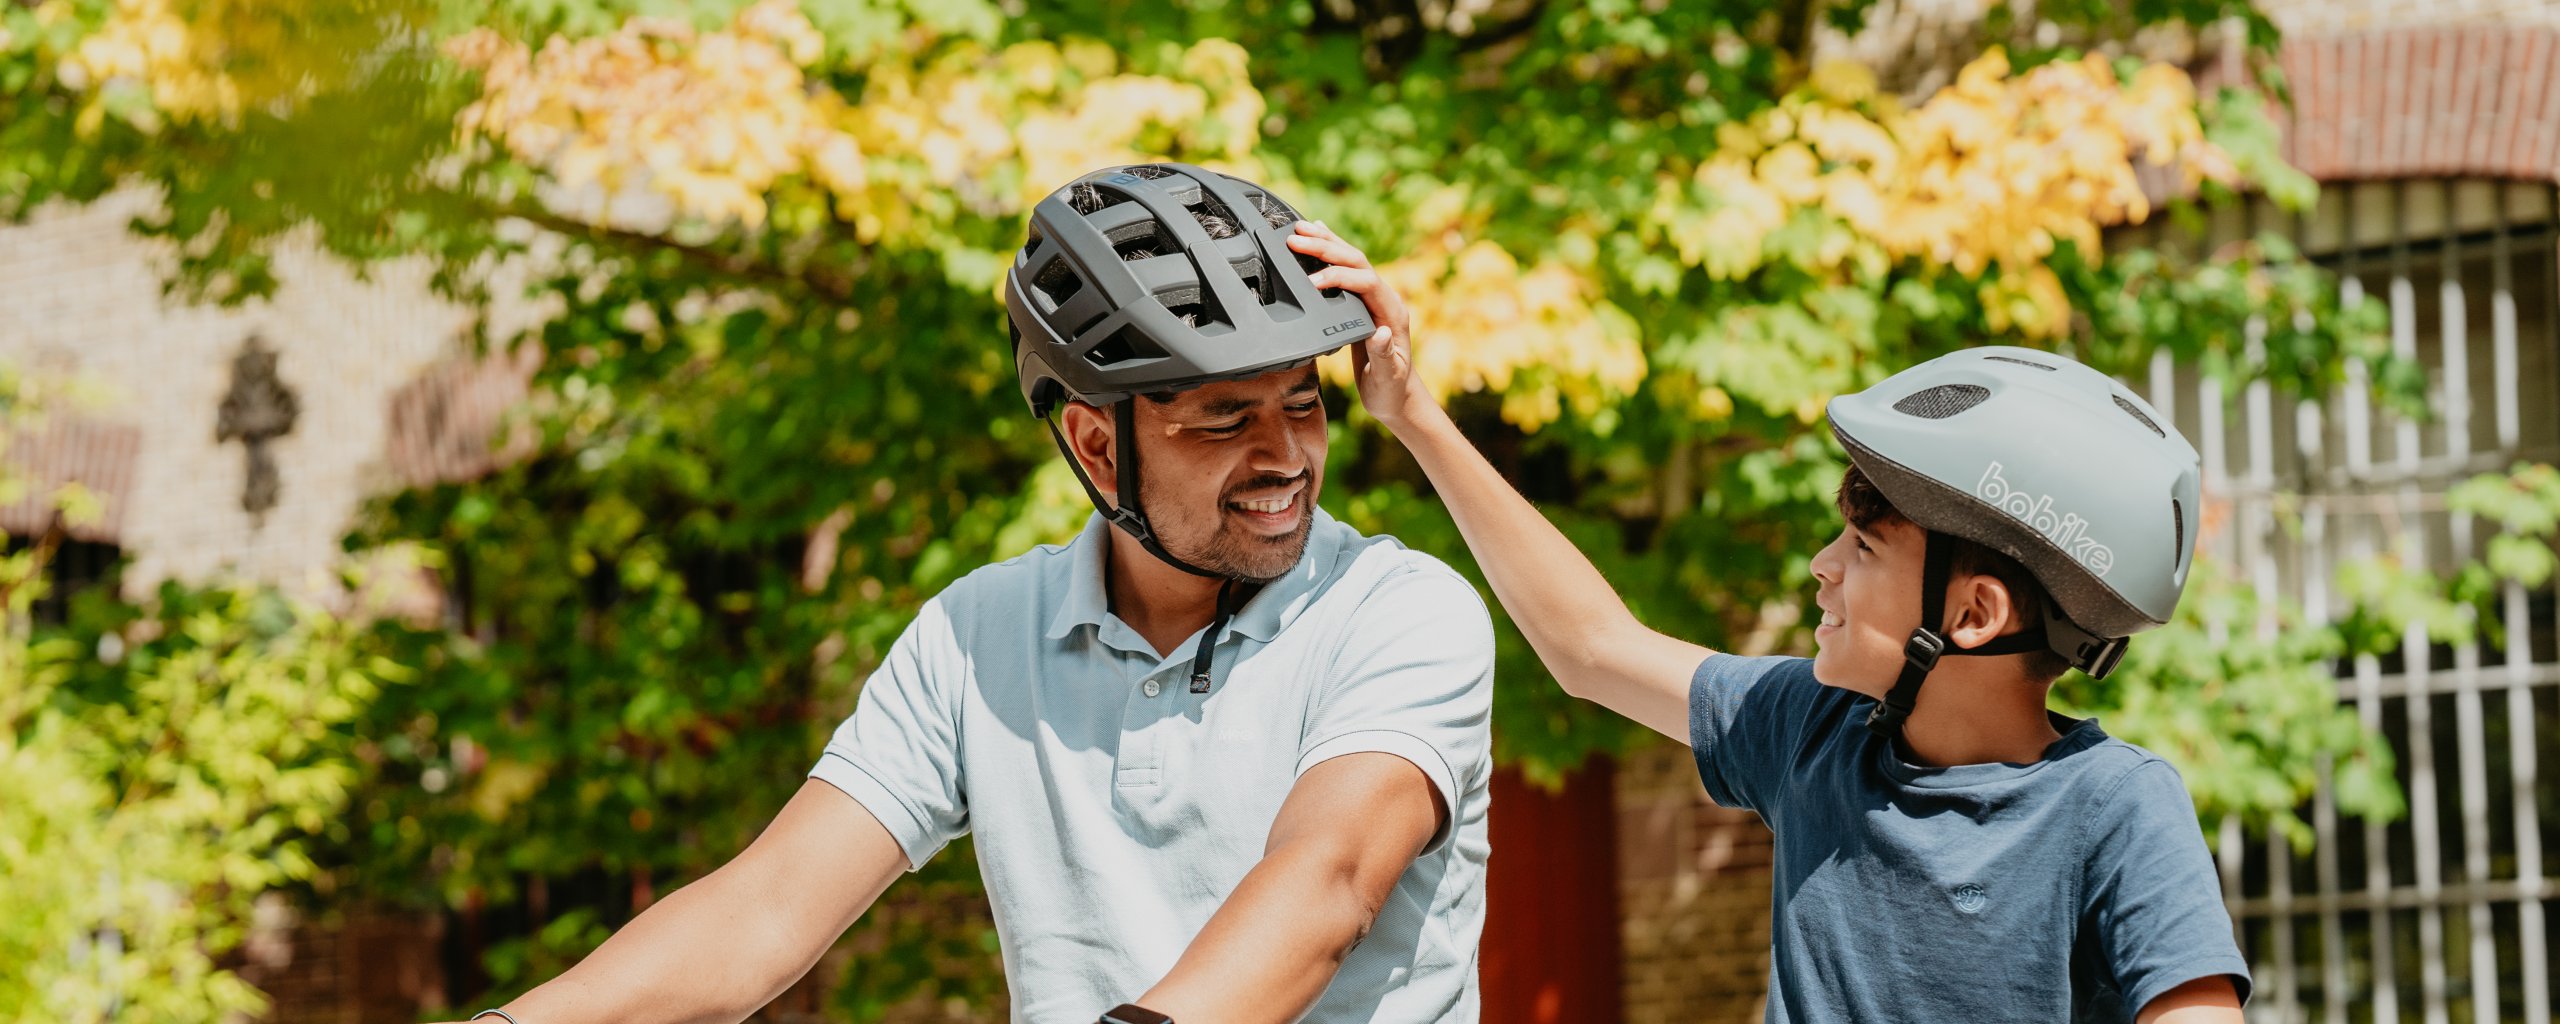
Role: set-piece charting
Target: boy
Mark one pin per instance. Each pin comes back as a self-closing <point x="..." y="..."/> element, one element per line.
<point x="1947" y="852"/>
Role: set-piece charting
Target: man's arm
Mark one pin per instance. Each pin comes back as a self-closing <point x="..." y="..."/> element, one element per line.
<point x="1567" y="610"/>
<point x="1347" y="832"/>
<point x="723" y="947"/>
<point x="2202" y="1001"/>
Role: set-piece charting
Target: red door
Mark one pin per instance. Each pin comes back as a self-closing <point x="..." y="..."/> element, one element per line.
<point x="1550" y="951"/>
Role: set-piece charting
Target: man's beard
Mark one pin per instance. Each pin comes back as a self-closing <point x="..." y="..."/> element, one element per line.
<point x="1218" y="546"/>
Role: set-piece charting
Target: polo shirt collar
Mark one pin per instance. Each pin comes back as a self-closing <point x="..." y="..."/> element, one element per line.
<point x="1087" y="600"/>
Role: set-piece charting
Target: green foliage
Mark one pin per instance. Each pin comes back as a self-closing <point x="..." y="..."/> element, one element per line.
<point x="762" y="447"/>
<point x="2243" y="697"/>
<point x="161" y="766"/>
<point x="2525" y="505"/>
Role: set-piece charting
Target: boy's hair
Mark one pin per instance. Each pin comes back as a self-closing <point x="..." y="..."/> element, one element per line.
<point x="1864" y="506"/>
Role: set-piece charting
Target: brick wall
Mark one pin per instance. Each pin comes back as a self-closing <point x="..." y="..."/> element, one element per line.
<point x="85" y="298"/>
<point x="1693" y="895"/>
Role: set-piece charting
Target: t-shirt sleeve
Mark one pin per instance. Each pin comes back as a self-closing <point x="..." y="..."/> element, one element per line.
<point x="2152" y="895"/>
<point x="898" y="754"/>
<point x="1746" y="719"/>
<point x="1413" y="677"/>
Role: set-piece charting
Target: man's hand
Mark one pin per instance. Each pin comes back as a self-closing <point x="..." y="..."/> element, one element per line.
<point x="1383" y="363"/>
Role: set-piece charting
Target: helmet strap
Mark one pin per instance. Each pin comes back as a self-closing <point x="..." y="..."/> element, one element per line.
<point x="1125" y="513"/>
<point x="1921" y="652"/>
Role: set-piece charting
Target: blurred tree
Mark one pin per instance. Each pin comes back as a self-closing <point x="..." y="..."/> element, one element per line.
<point x="160" y="767"/>
<point x="1646" y="242"/>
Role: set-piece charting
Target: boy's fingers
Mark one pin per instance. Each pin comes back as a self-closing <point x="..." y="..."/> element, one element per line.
<point x="1318" y="229"/>
<point x="1354" y="280"/>
<point x="1330" y="250"/>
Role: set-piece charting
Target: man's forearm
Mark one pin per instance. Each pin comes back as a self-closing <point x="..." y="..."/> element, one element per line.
<point x="691" y="957"/>
<point x="1271" y="949"/>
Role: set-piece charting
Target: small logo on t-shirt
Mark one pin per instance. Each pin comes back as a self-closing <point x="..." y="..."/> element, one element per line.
<point x="1970" y="898"/>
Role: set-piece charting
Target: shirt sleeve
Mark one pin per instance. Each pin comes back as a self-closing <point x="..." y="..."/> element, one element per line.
<point x="2152" y="895"/>
<point x="898" y="754"/>
<point x="1746" y="719"/>
<point x="1413" y="677"/>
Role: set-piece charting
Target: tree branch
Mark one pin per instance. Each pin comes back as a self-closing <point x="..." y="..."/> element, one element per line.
<point x="830" y="286"/>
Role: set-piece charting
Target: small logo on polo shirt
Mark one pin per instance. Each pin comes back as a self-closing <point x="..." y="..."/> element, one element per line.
<point x="1970" y="898"/>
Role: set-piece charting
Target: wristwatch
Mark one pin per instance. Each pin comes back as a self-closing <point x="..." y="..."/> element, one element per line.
<point x="1132" y="1013"/>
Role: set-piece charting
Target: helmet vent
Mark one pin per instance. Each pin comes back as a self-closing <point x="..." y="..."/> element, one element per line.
<point x="1942" y="401"/>
<point x="2046" y="367"/>
<point x="2178" y="521"/>
<point x="1274" y="212"/>
<point x="2135" y="411"/>
<point x="1059" y="281"/>
<point x="1138" y="244"/>
<point x="1124" y="345"/>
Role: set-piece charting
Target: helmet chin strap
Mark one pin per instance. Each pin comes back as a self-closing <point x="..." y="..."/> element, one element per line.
<point x="1132" y="520"/>
<point x="1921" y="652"/>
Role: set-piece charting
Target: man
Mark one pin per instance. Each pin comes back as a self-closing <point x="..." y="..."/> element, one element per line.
<point x="1226" y="759"/>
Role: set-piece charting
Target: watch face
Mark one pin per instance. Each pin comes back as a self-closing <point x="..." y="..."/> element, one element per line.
<point x="1130" y="1013"/>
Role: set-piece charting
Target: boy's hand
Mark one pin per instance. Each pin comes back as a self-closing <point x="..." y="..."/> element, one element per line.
<point x="1383" y="364"/>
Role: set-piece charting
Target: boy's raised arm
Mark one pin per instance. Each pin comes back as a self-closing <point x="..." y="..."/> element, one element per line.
<point x="1577" y="623"/>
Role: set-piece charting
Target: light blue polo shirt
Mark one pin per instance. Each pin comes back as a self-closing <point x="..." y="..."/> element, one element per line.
<point x="1115" y="809"/>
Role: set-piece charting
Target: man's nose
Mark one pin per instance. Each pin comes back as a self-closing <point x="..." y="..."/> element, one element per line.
<point x="1277" y="449"/>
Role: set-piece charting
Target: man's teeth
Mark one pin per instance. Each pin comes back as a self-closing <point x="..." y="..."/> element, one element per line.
<point x="1268" y="505"/>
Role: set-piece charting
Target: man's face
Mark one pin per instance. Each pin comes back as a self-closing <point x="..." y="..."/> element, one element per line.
<point x="1229" y="473"/>
<point x="1869" y="591"/>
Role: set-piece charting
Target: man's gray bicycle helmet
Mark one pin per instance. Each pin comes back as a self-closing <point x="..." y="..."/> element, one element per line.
<point x="1162" y="277"/>
<point x="2047" y="461"/>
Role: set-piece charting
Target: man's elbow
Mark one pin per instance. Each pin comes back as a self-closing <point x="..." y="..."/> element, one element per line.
<point x="1351" y="903"/>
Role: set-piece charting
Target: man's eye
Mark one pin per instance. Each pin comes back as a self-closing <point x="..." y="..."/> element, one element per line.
<point x="1303" y="408"/>
<point x="1225" y="429"/>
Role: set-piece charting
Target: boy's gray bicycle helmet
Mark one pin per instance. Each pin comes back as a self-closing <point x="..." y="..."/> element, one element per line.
<point x="2047" y="461"/>
<point x="1162" y="277"/>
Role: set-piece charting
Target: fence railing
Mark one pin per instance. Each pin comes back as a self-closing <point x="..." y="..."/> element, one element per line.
<point x="2439" y="916"/>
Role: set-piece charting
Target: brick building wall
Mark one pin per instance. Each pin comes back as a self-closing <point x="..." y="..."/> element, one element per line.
<point x="84" y="298"/>
<point x="1693" y="896"/>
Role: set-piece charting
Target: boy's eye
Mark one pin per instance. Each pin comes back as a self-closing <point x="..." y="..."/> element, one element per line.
<point x="1225" y="429"/>
<point x="1305" y="407"/>
<point x="1862" y="544"/>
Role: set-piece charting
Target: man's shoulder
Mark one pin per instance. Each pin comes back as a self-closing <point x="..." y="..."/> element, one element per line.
<point x="1017" y="585"/>
<point x="1376" y="573"/>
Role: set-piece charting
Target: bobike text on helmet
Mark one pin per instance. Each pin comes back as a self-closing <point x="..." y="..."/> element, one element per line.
<point x="2067" y="530"/>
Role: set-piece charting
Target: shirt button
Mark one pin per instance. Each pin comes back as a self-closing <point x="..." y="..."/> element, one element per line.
<point x="1152" y="688"/>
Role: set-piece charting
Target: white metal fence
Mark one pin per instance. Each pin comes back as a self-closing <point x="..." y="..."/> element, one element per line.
<point x="2439" y="916"/>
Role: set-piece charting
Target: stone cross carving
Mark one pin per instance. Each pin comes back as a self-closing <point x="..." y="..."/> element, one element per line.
<point x="258" y="409"/>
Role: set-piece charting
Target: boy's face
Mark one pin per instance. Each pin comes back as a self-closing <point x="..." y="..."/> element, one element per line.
<point x="1869" y="588"/>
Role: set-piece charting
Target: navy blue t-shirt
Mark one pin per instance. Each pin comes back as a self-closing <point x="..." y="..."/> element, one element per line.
<point x="2074" y="888"/>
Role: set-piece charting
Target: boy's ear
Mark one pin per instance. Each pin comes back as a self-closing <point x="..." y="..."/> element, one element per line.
<point x="1979" y="610"/>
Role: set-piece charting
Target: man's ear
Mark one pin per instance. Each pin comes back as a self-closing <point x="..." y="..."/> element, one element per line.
<point x="1091" y="433"/>
<point x="1979" y="610"/>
